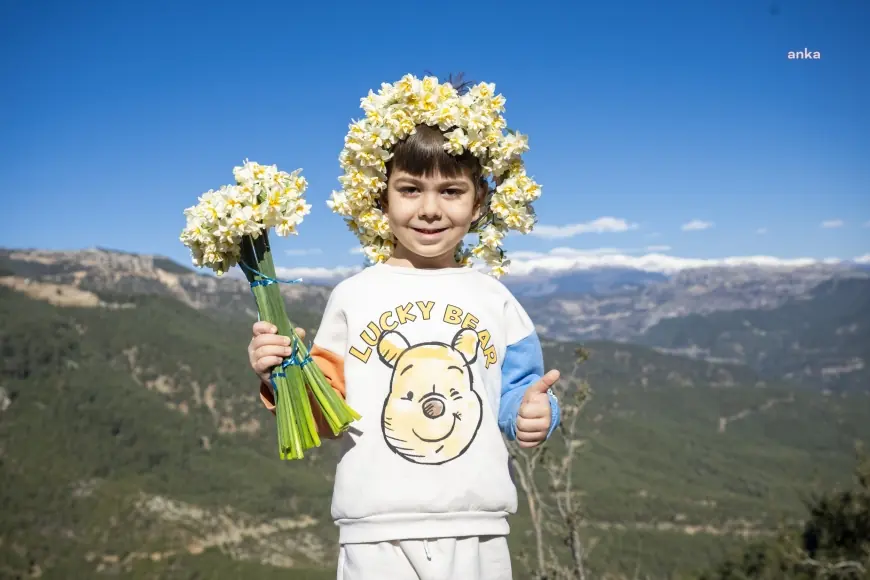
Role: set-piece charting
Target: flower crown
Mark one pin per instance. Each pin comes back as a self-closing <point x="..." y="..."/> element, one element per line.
<point x="470" y="121"/>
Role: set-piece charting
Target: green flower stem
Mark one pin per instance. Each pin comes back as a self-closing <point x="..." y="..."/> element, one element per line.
<point x="335" y="409"/>
<point x="297" y="429"/>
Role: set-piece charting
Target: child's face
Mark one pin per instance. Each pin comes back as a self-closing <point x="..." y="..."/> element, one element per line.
<point x="429" y="215"/>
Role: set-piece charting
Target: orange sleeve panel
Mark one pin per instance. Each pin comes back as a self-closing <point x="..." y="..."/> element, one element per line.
<point x="332" y="367"/>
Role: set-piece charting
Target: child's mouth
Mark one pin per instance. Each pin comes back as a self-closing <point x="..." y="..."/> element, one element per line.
<point x="429" y="231"/>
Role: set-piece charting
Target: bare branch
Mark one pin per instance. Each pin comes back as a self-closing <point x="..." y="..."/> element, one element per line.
<point x="557" y="516"/>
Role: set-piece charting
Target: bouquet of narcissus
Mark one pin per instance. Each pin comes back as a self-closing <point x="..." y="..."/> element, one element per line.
<point x="230" y="226"/>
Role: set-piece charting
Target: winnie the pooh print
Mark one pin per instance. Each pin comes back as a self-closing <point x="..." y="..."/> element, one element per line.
<point x="432" y="412"/>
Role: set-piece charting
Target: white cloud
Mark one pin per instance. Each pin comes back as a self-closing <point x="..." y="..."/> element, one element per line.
<point x="696" y="225"/>
<point x="599" y="226"/>
<point x="830" y="224"/>
<point x="576" y="252"/>
<point x="356" y="250"/>
<point x="564" y="259"/>
<point x="318" y="274"/>
<point x="304" y="252"/>
<point x="761" y="231"/>
<point x="651" y="262"/>
<point x="563" y="251"/>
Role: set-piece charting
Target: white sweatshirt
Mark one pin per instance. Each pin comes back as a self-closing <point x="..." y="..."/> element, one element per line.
<point x="437" y="363"/>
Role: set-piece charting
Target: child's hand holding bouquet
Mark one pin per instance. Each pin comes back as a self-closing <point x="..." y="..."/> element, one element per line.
<point x="268" y="349"/>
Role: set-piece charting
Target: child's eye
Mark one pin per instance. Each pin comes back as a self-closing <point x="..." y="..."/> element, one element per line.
<point x="407" y="190"/>
<point x="452" y="192"/>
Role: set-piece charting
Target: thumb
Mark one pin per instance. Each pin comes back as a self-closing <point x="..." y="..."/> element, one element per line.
<point x="543" y="385"/>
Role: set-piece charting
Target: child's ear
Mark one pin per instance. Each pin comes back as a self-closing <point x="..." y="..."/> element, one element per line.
<point x="390" y="346"/>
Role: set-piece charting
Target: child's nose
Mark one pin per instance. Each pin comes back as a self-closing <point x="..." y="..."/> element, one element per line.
<point x="433" y="408"/>
<point x="429" y="206"/>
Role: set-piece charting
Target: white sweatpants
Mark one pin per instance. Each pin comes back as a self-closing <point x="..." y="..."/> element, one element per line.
<point x="472" y="558"/>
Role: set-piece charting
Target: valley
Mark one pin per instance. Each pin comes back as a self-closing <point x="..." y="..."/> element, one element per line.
<point x="132" y="441"/>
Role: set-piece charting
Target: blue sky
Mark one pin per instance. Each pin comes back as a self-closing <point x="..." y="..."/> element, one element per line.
<point x="117" y="115"/>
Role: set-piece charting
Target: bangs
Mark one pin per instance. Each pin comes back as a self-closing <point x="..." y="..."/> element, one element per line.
<point x="423" y="154"/>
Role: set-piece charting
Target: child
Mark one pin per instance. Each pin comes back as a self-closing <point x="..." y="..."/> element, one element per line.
<point x="439" y="359"/>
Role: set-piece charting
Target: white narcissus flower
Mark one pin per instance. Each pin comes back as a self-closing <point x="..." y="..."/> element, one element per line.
<point x="483" y="91"/>
<point x="198" y="230"/>
<point x="274" y="200"/>
<point x="457" y="141"/>
<point x="500" y="205"/>
<point x="242" y="220"/>
<point x="225" y="233"/>
<point x="446" y="116"/>
<point x="372" y="102"/>
<point x="527" y="224"/>
<point x="272" y="217"/>
<point x="429" y="84"/>
<point x="302" y="208"/>
<point x="382" y="227"/>
<point x="513" y="145"/>
<point x="381" y="135"/>
<point x="244" y="173"/>
<point x="231" y="198"/>
<point x="428" y="103"/>
<point x="212" y="256"/>
<point x="476" y="122"/>
<point x="501" y="270"/>
<point x="258" y="211"/>
<point x="379" y="252"/>
<point x="508" y="189"/>
<point x="286" y="227"/>
<point x="371" y="253"/>
<point x="491" y="237"/>
<point x="476" y="145"/>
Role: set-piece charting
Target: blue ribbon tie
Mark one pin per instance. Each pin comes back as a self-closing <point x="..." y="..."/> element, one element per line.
<point x="290" y="361"/>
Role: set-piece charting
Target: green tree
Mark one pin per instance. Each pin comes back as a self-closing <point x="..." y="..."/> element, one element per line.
<point x="832" y="543"/>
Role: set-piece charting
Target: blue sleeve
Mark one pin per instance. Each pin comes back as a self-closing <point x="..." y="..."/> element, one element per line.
<point x="522" y="366"/>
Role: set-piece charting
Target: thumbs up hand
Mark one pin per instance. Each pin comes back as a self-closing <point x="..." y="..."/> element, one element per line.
<point x="534" y="418"/>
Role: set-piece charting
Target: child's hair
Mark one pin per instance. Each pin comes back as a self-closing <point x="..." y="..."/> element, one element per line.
<point x="423" y="154"/>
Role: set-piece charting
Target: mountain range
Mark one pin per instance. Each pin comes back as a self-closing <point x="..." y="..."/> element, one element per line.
<point x="132" y="441"/>
<point x="693" y="312"/>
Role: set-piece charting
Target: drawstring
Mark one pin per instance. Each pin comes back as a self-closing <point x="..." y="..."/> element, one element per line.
<point x="426" y="549"/>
